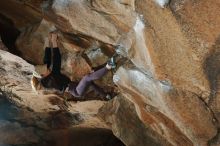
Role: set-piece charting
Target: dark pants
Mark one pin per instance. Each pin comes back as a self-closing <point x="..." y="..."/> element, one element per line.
<point x="55" y="79"/>
<point x="87" y="81"/>
<point x="56" y="59"/>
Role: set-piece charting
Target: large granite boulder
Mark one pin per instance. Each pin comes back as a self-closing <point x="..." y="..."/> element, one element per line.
<point x="170" y="80"/>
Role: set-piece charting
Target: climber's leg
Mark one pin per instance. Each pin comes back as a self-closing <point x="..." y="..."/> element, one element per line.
<point x="86" y="80"/>
<point x="56" y="61"/>
<point x="56" y="54"/>
<point x="47" y="56"/>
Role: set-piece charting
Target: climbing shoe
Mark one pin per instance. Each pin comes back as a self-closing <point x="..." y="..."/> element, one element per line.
<point x="108" y="97"/>
<point x="111" y="62"/>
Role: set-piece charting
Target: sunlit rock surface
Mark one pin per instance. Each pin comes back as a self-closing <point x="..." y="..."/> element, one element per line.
<point x="169" y="79"/>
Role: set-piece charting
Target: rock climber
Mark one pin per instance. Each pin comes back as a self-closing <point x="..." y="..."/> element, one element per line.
<point x="48" y="76"/>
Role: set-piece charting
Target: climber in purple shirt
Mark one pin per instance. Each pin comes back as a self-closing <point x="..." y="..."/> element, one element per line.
<point x="51" y="78"/>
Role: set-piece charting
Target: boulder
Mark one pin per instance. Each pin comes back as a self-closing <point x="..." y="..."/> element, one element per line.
<point x="26" y="116"/>
<point x="2" y="46"/>
<point x="108" y="19"/>
<point x="13" y="133"/>
<point x="174" y="30"/>
<point x="169" y="80"/>
<point x="15" y="10"/>
<point x="155" y="100"/>
<point x="130" y="129"/>
<point x="31" y="41"/>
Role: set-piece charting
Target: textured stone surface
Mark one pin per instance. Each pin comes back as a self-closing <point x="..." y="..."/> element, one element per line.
<point x="109" y="19"/>
<point x="2" y="46"/>
<point x="31" y="41"/>
<point x="170" y="105"/>
<point x="168" y="85"/>
<point x="22" y="13"/>
<point x="30" y="116"/>
<point x="134" y="131"/>
<point x="13" y="133"/>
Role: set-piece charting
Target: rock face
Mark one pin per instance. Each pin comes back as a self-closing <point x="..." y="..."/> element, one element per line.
<point x="168" y="75"/>
<point x="2" y="46"/>
<point x="109" y="19"/>
<point x="26" y="117"/>
<point x="139" y="134"/>
<point x="16" y="9"/>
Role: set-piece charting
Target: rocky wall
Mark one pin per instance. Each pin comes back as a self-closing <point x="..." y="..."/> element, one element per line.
<point x="168" y="76"/>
